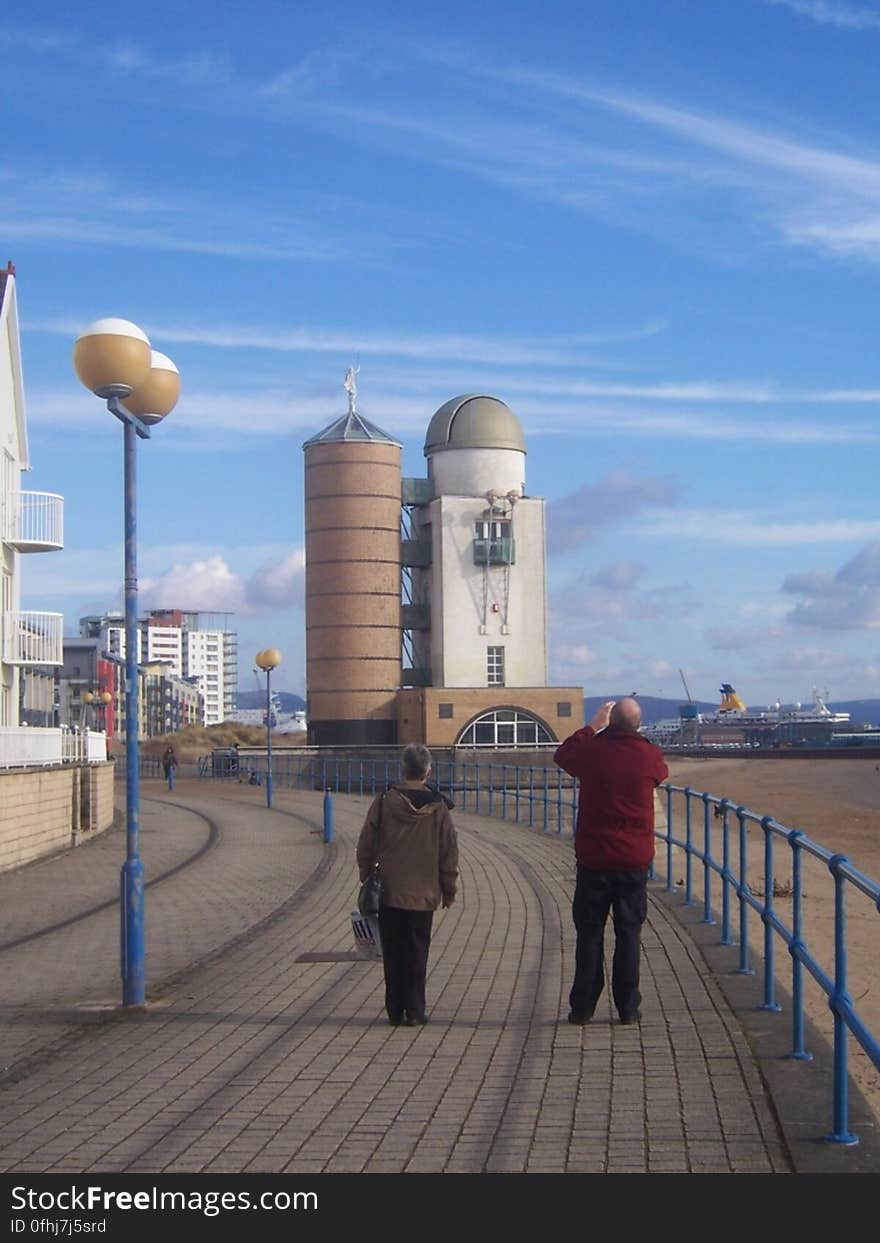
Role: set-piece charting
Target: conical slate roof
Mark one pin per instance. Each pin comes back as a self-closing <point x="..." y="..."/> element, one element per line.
<point x="351" y="426"/>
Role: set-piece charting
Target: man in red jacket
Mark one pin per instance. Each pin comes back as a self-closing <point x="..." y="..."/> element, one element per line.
<point x="618" y="771"/>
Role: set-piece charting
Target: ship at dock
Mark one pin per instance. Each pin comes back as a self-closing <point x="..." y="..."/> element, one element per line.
<point x="734" y="726"/>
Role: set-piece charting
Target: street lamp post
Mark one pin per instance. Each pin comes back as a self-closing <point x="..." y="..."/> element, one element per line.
<point x="99" y="701"/>
<point x="268" y="660"/>
<point x="113" y="358"/>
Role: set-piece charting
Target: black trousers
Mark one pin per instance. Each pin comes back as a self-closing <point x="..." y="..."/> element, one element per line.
<point x="625" y="895"/>
<point x="406" y="940"/>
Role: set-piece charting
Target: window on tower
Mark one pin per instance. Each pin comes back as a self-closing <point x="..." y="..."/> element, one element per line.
<point x="495" y="666"/>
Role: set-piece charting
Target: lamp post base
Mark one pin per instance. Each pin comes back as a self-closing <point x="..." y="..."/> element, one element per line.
<point x="132" y="933"/>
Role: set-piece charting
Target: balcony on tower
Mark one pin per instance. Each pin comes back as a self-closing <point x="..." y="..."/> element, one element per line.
<point x="499" y="551"/>
<point x="34" y="521"/>
<point x="415" y="617"/>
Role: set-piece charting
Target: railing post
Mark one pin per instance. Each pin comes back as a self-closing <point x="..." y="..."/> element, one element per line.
<point x="531" y="798"/>
<point x="688" y="860"/>
<point x="491" y="790"/>
<point x="798" y="1052"/>
<point x="841" y="1133"/>
<point x="769" y="1002"/>
<point x="670" y="883"/>
<point x="707" y="868"/>
<point x="558" y="800"/>
<point x="726" y="938"/>
<point x="744" y="968"/>
<point x="546" y="809"/>
<point x="328" y="815"/>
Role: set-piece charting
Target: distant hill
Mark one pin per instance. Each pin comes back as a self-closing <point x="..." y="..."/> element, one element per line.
<point x="257" y="699"/>
<point x="862" y="711"/>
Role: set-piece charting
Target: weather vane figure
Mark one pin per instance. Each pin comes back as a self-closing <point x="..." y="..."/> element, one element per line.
<point x="350" y="386"/>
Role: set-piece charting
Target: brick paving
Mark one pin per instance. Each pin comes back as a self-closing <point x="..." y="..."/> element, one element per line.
<point x="247" y="1060"/>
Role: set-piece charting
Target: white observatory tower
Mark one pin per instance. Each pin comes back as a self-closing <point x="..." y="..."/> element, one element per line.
<point x="475" y="622"/>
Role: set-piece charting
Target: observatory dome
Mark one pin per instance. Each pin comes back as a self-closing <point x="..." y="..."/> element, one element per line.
<point x="474" y="421"/>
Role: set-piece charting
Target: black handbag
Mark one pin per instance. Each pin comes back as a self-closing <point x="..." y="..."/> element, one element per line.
<point x="370" y="896"/>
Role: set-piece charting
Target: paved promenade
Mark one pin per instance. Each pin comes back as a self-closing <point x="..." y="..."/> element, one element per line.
<point x="251" y="1058"/>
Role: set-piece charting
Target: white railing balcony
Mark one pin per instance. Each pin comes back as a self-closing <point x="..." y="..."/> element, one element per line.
<point x="38" y="746"/>
<point x="35" y="521"/>
<point x="83" y="746"/>
<point x="33" y="638"/>
<point x="29" y="746"/>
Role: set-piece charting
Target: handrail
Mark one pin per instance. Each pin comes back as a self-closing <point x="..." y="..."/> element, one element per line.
<point x="835" y="985"/>
<point x="549" y="799"/>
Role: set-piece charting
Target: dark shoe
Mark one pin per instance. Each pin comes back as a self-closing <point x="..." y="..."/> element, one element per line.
<point x="628" y="1019"/>
<point x="579" y="1020"/>
<point x="415" y="1020"/>
<point x="395" y="1019"/>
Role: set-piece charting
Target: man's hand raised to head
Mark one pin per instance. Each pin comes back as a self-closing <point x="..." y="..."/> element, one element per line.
<point x="603" y="716"/>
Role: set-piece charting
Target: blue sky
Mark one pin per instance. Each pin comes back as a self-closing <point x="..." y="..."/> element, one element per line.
<point x="651" y="226"/>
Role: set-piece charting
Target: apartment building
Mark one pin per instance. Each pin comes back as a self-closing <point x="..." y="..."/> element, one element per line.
<point x="190" y="645"/>
<point x="30" y="522"/>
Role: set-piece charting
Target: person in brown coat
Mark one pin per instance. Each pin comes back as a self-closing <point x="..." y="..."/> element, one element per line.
<point x="409" y="830"/>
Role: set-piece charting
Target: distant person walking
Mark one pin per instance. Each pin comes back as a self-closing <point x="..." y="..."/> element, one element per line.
<point x="169" y="763"/>
<point x="618" y="771"/>
<point x="409" y="831"/>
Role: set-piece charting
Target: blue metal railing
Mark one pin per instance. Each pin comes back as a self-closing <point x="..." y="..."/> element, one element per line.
<point x="547" y="798"/>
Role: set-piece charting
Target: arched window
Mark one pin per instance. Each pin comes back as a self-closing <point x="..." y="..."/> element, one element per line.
<point x="505" y="727"/>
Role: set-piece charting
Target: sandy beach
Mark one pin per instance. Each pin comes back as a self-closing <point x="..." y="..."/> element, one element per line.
<point x="836" y="803"/>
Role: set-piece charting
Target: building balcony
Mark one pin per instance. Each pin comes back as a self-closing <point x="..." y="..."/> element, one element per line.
<point x="33" y="638"/>
<point x="35" y="521"/>
<point x="415" y="553"/>
<point x="416" y="677"/>
<point x="416" y="491"/>
<point x="494" y="551"/>
<point x="415" y="617"/>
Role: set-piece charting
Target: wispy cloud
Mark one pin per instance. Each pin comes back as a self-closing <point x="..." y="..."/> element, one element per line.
<point x="101" y="212"/>
<point x="748" y="529"/>
<point x="571" y="519"/>
<point x="458" y="347"/>
<point x="832" y="13"/>
<point x="275" y="412"/>
<point x="37" y="40"/>
<point x="803" y="190"/>
<point x="125" y="56"/>
<point x="848" y="599"/>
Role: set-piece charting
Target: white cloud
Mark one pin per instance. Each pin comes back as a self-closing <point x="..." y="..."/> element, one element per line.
<point x="279" y="583"/>
<point x="745" y="528"/>
<point x="205" y="586"/>
<point x="833" y="13"/>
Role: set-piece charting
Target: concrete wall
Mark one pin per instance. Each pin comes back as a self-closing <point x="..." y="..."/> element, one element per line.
<point x="463" y="623"/>
<point x="44" y="810"/>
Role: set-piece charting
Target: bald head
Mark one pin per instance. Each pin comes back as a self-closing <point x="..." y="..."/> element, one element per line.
<point x="626" y="714"/>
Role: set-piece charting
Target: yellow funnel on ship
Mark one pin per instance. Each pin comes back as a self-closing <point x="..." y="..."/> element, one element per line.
<point x="730" y="701"/>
